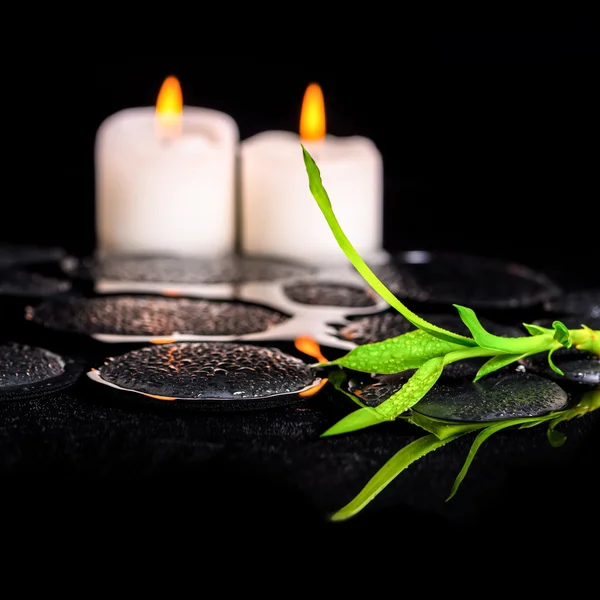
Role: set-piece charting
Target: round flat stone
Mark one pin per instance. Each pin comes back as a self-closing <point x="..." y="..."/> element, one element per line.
<point x="24" y="283"/>
<point x="208" y="370"/>
<point x="476" y="282"/>
<point x="318" y="293"/>
<point x="455" y="397"/>
<point x="23" y="365"/>
<point x="12" y="255"/>
<point x="379" y="327"/>
<point x="153" y="316"/>
<point x="374" y="390"/>
<point x="500" y="396"/>
<point x="577" y="366"/>
<point x="187" y="270"/>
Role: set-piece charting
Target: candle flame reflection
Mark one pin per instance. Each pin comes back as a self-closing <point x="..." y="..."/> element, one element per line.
<point x="169" y="107"/>
<point x="309" y="346"/>
<point x="312" y="117"/>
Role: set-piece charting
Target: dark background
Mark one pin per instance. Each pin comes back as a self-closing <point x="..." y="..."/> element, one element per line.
<point x="489" y="140"/>
<point x="489" y="143"/>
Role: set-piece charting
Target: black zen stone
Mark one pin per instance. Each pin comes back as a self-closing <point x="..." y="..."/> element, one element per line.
<point x="153" y="316"/>
<point x="455" y="397"/>
<point x="379" y="327"/>
<point x="188" y="270"/>
<point x="577" y="366"/>
<point x="317" y="293"/>
<point x="476" y="282"/>
<point x="24" y="365"/>
<point x="208" y="370"/>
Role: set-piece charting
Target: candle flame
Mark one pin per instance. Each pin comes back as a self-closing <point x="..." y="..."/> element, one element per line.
<point x="312" y="117"/>
<point x="169" y="107"/>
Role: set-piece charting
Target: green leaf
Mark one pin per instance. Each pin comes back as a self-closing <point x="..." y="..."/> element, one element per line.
<point x="551" y="362"/>
<point x="408" y="395"/>
<point x="497" y="362"/>
<point x="536" y="329"/>
<point x="535" y="421"/>
<point x="561" y="334"/>
<point x="516" y="345"/>
<point x="407" y="351"/>
<point x="556" y="438"/>
<point x="414" y="389"/>
<point x="589" y="402"/>
<point x="320" y="195"/>
<point x="443" y="429"/>
<point x="482" y="437"/>
<point x="392" y="468"/>
<point x="359" y="419"/>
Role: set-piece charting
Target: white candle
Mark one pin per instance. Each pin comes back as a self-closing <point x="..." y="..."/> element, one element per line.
<point x="279" y="215"/>
<point x="165" y="179"/>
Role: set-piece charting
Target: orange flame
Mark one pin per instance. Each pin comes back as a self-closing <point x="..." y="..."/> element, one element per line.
<point x="310" y="347"/>
<point x="169" y="107"/>
<point x="314" y="390"/>
<point x="312" y="117"/>
<point x="167" y="398"/>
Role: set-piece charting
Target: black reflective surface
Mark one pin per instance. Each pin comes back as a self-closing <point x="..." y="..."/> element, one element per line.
<point x="274" y="459"/>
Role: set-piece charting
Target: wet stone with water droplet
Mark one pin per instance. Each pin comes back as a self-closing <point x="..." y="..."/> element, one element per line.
<point x="476" y="282"/>
<point x="501" y="395"/>
<point x="379" y="327"/>
<point x="22" y="365"/>
<point x="153" y="316"/>
<point x="209" y="370"/>
<point x="319" y="293"/>
<point x="577" y="366"/>
<point x="188" y="270"/>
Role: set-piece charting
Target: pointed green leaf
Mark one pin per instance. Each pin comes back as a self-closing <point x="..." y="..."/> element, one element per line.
<point x="408" y="395"/>
<point x="359" y="419"/>
<point x="407" y="351"/>
<point x="536" y="329"/>
<point x="588" y="402"/>
<point x="482" y="436"/>
<point x="551" y="362"/>
<point x="443" y="429"/>
<point x="392" y="468"/>
<point x="562" y="334"/>
<point x="320" y="195"/>
<point x="535" y="421"/>
<point x="497" y="362"/>
<point x="516" y="345"/>
<point x="413" y="390"/>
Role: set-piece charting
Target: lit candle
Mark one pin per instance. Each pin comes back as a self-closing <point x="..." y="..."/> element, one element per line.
<point x="165" y="179"/>
<point x="280" y="217"/>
